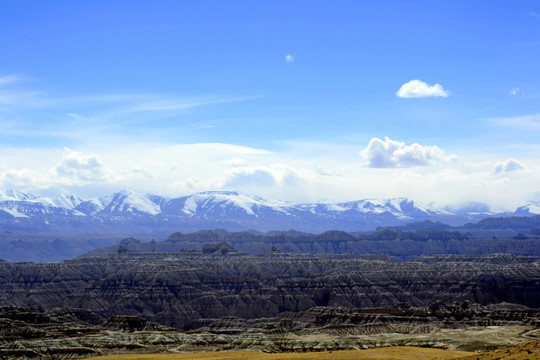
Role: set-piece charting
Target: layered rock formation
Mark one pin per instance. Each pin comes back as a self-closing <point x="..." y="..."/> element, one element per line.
<point x="68" y="333"/>
<point x="398" y="244"/>
<point x="179" y="289"/>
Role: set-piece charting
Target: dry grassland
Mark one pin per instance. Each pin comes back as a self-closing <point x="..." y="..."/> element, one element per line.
<point x="529" y="351"/>
<point x="394" y="353"/>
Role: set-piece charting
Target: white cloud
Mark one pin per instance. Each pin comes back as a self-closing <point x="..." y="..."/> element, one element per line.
<point x="251" y="178"/>
<point x="508" y="166"/>
<point x="81" y="168"/>
<point x="21" y="179"/>
<point x="392" y="154"/>
<point x="526" y="123"/>
<point x="142" y="172"/>
<point x="289" y="59"/>
<point x="514" y="92"/>
<point x="237" y="162"/>
<point x="177" y="170"/>
<point x="417" y="89"/>
<point x="29" y="112"/>
<point x="326" y="171"/>
<point x="9" y="79"/>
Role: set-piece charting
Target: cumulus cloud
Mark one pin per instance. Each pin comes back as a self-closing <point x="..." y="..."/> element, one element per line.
<point x="142" y="172"/>
<point x="82" y="168"/>
<point x="275" y="181"/>
<point x="418" y="88"/>
<point x="392" y="169"/>
<point x="251" y="177"/>
<point x="289" y="59"/>
<point x="236" y="162"/>
<point x="392" y="154"/>
<point x="21" y="179"/>
<point x="508" y="166"/>
<point x="326" y="172"/>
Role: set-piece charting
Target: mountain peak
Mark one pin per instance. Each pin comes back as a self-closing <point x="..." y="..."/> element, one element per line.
<point x="228" y="193"/>
<point x="235" y="211"/>
<point x="11" y="194"/>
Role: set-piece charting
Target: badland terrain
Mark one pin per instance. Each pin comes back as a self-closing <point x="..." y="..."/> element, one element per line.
<point x="471" y="286"/>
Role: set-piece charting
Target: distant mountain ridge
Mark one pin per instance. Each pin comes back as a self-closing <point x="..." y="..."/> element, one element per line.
<point x="225" y="209"/>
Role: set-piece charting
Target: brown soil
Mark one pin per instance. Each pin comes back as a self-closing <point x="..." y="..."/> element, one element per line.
<point x="395" y="353"/>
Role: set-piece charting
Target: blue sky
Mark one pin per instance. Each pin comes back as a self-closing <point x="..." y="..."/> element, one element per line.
<point x="303" y="90"/>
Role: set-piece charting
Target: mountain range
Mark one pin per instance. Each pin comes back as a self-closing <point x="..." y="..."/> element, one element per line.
<point x="146" y="213"/>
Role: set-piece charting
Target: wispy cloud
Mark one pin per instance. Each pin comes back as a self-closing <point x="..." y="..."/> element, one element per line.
<point x="289" y="59"/>
<point x="25" y="111"/>
<point x="10" y="79"/>
<point x="525" y="123"/>
<point x="514" y="92"/>
<point x="418" y="89"/>
<point x="154" y="104"/>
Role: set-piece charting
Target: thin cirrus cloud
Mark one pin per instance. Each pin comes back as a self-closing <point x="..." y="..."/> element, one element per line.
<point x="10" y="94"/>
<point x="389" y="153"/>
<point x="9" y="79"/>
<point x="29" y="112"/>
<point x="524" y="123"/>
<point x="420" y="89"/>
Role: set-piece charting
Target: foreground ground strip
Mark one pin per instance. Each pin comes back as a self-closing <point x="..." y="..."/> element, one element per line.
<point x="528" y="351"/>
<point x="397" y="353"/>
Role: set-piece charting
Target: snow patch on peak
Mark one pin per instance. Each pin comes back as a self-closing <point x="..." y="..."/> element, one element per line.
<point x="533" y="207"/>
<point x="13" y="212"/>
<point x="212" y="200"/>
<point x="14" y="195"/>
<point x="64" y="201"/>
<point x="397" y="203"/>
<point x="228" y="193"/>
<point x="131" y="202"/>
<point x="336" y="207"/>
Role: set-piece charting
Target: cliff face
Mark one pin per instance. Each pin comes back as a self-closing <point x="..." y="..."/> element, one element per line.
<point x="178" y="289"/>
<point x="398" y="244"/>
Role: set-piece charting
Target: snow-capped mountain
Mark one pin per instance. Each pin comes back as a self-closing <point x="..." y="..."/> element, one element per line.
<point x="20" y="205"/>
<point x="533" y="207"/>
<point x="120" y="203"/>
<point x="229" y="210"/>
<point x="222" y="204"/>
<point x="469" y="209"/>
<point x="401" y="208"/>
